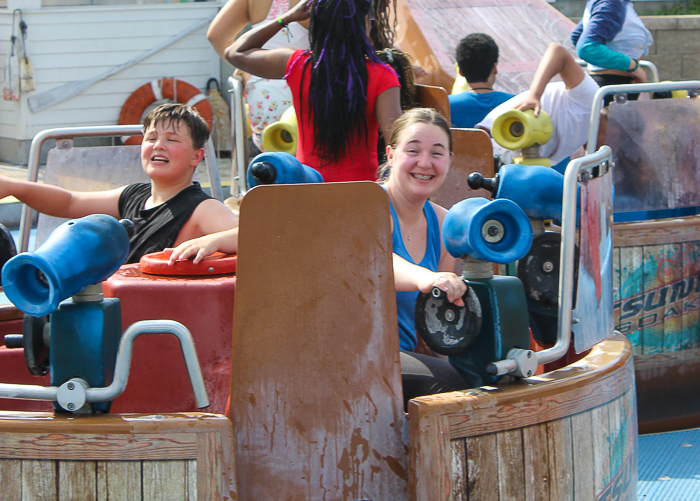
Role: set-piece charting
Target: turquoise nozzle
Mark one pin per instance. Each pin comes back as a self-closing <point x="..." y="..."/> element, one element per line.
<point x="78" y="253"/>
<point x="497" y="231"/>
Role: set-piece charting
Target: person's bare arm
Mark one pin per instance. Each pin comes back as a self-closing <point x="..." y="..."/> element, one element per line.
<point x="232" y="18"/>
<point x="210" y="216"/>
<point x="556" y="60"/>
<point x="409" y="277"/>
<point x="199" y="248"/>
<point x="387" y="109"/>
<point x="447" y="262"/>
<point x="246" y="53"/>
<point x="59" y="202"/>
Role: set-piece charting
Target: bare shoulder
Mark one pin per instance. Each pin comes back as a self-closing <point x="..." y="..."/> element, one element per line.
<point x="440" y="212"/>
<point x="210" y="216"/>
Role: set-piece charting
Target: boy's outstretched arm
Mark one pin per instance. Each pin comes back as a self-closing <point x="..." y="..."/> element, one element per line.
<point x="58" y="202"/>
<point x="556" y="61"/>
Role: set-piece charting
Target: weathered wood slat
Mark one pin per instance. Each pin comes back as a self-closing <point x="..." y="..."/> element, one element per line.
<point x="192" y="491"/>
<point x="582" y="432"/>
<point x="652" y="330"/>
<point x="119" y="480"/>
<point x="561" y="459"/>
<point x="601" y="447"/>
<point x="482" y="467"/>
<point x="690" y="338"/>
<point x="435" y="457"/>
<point x="631" y="273"/>
<point x="506" y="415"/>
<point x="511" y="478"/>
<point x="670" y="275"/>
<point x="99" y="447"/>
<point x="536" y="462"/>
<point x="10" y="471"/>
<point x="39" y="480"/>
<point x="77" y="480"/>
<point x="459" y="470"/>
<point x="164" y="480"/>
<point x="682" y="229"/>
<point x="207" y="474"/>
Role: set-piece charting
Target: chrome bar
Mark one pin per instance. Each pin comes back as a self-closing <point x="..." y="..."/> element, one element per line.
<point x="62" y="133"/>
<point x="568" y="237"/>
<point x="213" y="170"/>
<point x="631" y="88"/>
<point x="239" y="138"/>
<point x="123" y="363"/>
<point x="28" y="391"/>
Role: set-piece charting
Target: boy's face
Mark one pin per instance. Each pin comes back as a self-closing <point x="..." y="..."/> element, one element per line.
<point x="167" y="153"/>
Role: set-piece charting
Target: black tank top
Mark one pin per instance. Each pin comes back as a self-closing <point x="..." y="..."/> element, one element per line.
<point x="158" y="227"/>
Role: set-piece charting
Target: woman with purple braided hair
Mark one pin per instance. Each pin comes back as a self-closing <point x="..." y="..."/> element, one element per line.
<point x="343" y="94"/>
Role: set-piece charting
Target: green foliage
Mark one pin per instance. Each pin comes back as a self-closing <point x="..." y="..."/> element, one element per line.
<point x="687" y="7"/>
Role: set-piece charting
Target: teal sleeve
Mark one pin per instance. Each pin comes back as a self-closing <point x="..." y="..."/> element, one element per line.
<point x="600" y="55"/>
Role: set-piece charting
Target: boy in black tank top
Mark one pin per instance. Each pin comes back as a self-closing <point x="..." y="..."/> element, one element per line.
<point x="170" y="210"/>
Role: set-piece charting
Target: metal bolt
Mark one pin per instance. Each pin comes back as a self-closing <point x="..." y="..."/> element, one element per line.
<point x="529" y="373"/>
<point x="211" y="269"/>
<point x="529" y="355"/>
<point x="71" y="386"/>
<point x="493" y="231"/>
<point x="548" y="267"/>
<point x="70" y="406"/>
<point x="449" y="315"/>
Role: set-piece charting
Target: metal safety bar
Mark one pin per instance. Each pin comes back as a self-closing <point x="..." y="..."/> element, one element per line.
<point x="239" y="138"/>
<point x="648" y="65"/>
<point x="96" y="131"/>
<point x="629" y="88"/>
<point x="78" y="392"/>
<point x="518" y="359"/>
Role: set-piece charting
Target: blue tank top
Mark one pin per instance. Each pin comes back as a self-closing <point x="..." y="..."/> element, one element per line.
<point x="406" y="301"/>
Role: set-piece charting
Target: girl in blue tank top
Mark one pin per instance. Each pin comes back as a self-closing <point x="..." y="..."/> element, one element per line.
<point x="418" y="158"/>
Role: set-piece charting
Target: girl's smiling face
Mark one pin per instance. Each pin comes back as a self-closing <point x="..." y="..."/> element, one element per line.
<point x="421" y="159"/>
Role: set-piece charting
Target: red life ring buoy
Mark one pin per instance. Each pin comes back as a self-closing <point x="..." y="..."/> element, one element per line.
<point x="155" y="90"/>
<point x="156" y="263"/>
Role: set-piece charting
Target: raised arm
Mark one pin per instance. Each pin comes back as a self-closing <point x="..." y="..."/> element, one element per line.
<point x="556" y="61"/>
<point x="247" y="54"/>
<point x="59" y="202"/>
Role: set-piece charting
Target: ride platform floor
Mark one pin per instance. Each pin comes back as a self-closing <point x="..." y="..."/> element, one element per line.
<point x="669" y="466"/>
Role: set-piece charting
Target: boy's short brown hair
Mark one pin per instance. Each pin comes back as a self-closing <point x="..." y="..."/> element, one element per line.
<point x="170" y="113"/>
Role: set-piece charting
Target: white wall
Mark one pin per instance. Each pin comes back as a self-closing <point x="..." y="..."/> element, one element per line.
<point x="75" y="43"/>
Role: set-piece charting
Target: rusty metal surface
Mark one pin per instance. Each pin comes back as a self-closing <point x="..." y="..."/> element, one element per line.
<point x="655" y="149"/>
<point x="315" y="391"/>
<point x="429" y="30"/>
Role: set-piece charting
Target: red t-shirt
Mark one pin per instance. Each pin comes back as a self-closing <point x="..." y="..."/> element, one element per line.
<point x="360" y="162"/>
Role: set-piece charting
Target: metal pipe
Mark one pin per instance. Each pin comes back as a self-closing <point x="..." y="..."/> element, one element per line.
<point x="568" y="234"/>
<point x="28" y="391"/>
<point x="213" y="170"/>
<point x="61" y="133"/>
<point x="123" y="363"/>
<point x="239" y="138"/>
<point x="630" y="88"/>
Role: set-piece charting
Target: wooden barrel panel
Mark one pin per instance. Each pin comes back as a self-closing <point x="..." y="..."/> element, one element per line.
<point x="174" y="457"/>
<point x="568" y="434"/>
<point x="657" y="306"/>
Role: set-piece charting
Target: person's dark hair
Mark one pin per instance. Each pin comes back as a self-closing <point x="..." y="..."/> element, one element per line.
<point x="170" y="114"/>
<point x="476" y="54"/>
<point x="339" y="78"/>
<point x="415" y="116"/>
<point x="402" y="64"/>
<point x="382" y="32"/>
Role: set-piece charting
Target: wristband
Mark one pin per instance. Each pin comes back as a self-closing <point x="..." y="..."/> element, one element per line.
<point x="279" y="20"/>
<point x="636" y="65"/>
